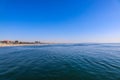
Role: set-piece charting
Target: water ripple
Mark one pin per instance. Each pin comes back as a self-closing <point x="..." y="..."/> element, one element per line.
<point x="61" y="62"/>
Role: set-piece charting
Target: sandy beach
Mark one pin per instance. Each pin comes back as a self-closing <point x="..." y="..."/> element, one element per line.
<point x="10" y="45"/>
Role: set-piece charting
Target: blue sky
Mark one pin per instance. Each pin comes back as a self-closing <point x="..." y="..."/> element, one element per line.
<point x="60" y="20"/>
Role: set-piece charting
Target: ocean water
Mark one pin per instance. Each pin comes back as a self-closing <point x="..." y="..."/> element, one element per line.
<point x="61" y="62"/>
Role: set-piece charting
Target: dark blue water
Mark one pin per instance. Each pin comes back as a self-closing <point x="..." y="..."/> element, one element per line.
<point x="61" y="62"/>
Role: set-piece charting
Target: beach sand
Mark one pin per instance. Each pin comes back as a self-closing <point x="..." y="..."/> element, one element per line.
<point x="10" y="45"/>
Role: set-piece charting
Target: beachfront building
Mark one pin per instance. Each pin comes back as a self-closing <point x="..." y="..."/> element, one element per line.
<point x="0" y="41"/>
<point x="37" y="42"/>
<point x="6" y="41"/>
<point x="16" y="42"/>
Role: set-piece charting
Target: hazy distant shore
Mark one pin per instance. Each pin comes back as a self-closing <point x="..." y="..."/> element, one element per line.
<point x="10" y="45"/>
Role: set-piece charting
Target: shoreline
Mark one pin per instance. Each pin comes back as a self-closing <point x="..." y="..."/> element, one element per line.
<point x="12" y="45"/>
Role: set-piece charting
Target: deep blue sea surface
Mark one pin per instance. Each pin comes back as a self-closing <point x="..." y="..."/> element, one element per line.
<point x="61" y="62"/>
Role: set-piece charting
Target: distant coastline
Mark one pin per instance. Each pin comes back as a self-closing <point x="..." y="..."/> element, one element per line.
<point x="8" y="43"/>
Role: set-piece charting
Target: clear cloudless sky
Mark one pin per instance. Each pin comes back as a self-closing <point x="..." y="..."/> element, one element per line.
<point x="60" y="20"/>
